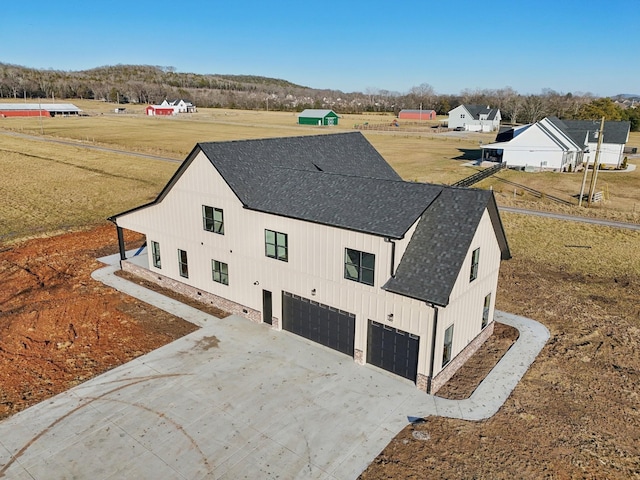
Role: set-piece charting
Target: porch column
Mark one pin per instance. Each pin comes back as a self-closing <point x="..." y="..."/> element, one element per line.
<point x="123" y="254"/>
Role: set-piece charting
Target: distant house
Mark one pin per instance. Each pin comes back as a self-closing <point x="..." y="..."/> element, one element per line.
<point x="475" y="118"/>
<point x="38" y="109"/>
<point x="417" y="114"/>
<point x="319" y="236"/>
<point x="153" y="110"/>
<point x="179" y="106"/>
<point x="558" y="145"/>
<point x="317" y="117"/>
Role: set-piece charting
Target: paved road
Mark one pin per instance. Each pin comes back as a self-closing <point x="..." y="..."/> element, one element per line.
<point x="572" y="218"/>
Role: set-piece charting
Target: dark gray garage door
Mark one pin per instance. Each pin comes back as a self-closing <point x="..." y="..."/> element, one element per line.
<point x="323" y="324"/>
<point x="393" y="350"/>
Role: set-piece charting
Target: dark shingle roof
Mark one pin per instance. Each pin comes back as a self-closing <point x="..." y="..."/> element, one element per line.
<point x="433" y="259"/>
<point x="616" y="132"/>
<point x="341" y="153"/>
<point x="477" y="110"/>
<point x="342" y="181"/>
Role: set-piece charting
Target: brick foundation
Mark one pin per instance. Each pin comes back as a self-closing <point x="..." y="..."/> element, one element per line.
<point x="358" y="356"/>
<point x="195" y="293"/>
<point x="422" y="382"/>
<point x="445" y="374"/>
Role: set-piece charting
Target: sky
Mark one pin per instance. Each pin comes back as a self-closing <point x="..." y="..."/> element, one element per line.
<point x="575" y="46"/>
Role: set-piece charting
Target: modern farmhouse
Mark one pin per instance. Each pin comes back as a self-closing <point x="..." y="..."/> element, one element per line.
<point x="559" y="145"/>
<point x="474" y="118"/>
<point x="319" y="236"/>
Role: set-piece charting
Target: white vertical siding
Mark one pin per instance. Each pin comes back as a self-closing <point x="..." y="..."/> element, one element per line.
<point x="466" y="303"/>
<point x="315" y="261"/>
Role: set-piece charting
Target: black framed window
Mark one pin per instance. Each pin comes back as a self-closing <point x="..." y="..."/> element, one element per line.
<point x="359" y="266"/>
<point x="213" y="219"/>
<point x="183" y="264"/>
<point x="485" y="310"/>
<point x="276" y="245"/>
<point x="448" y="343"/>
<point x="155" y="254"/>
<point x="220" y="272"/>
<point x="475" y="259"/>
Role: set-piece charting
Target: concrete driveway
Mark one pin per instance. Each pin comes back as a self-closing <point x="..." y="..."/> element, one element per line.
<point x="231" y="400"/>
<point x="235" y="400"/>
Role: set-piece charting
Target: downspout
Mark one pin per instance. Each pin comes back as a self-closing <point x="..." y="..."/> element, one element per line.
<point x="433" y="345"/>
<point x="393" y="255"/>
<point x="121" y="247"/>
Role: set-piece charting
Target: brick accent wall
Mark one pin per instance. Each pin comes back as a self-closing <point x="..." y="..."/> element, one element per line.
<point x="195" y="293"/>
<point x="422" y="382"/>
<point x="445" y="374"/>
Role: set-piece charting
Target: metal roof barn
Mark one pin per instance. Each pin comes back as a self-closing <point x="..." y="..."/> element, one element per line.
<point x="318" y="117"/>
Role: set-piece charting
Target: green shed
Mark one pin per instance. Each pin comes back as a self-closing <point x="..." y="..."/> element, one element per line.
<point x="317" y="117"/>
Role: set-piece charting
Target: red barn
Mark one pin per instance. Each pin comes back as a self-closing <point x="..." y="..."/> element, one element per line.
<point x="417" y="114"/>
<point x="24" y="113"/>
<point x="158" y="110"/>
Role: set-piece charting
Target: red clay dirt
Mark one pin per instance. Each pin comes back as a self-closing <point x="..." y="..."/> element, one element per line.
<point x="576" y="413"/>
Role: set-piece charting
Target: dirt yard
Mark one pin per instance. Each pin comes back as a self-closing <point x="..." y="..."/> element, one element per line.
<point x="575" y="415"/>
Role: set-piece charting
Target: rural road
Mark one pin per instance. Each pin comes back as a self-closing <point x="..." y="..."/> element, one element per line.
<point x="572" y="218"/>
<point x="557" y="216"/>
<point x="78" y="143"/>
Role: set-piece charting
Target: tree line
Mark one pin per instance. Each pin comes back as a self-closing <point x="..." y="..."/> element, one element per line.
<point x="144" y="84"/>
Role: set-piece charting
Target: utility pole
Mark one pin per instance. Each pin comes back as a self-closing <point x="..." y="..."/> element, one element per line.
<point x="594" y="175"/>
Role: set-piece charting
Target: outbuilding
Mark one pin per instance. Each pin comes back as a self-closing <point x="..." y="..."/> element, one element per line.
<point x="158" y="110"/>
<point x="407" y="114"/>
<point x="38" y="109"/>
<point x="317" y="117"/>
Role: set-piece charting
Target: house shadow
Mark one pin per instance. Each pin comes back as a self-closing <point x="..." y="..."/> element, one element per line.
<point x="468" y="154"/>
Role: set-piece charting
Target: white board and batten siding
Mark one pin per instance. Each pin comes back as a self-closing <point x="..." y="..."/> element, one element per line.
<point x="466" y="303"/>
<point x="315" y="257"/>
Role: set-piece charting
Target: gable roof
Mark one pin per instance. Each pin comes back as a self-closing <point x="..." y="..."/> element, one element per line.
<point x="435" y="254"/>
<point x="409" y="110"/>
<point x="614" y="131"/>
<point x="316" y="113"/>
<point x="477" y="110"/>
<point x="340" y="180"/>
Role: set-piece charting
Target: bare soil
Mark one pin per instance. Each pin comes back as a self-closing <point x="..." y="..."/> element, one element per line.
<point x="59" y="327"/>
<point x="575" y="414"/>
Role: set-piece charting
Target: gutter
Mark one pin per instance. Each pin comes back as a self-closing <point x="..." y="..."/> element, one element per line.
<point x="433" y="345"/>
<point x="393" y="256"/>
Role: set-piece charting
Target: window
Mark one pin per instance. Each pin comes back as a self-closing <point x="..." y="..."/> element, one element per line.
<point x="462" y="115"/>
<point x="485" y="311"/>
<point x="359" y="266"/>
<point x="475" y="258"/>
<point x="182" y="263"/>
<point x="275" y="245"/>
<point x="220" y="272"/>
<point x="155" y="254"/>
<point x="212" y="219"/>
<point x="448" y="342"/>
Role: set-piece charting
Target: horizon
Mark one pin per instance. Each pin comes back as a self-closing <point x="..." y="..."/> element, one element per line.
<point x="358" y="47"/>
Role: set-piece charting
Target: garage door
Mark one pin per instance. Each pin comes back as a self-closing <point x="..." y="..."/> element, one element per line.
<point x="321" y="323"/>
<point x="393" y="350"/>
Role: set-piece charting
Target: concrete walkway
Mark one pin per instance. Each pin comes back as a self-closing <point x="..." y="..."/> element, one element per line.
<point x="233" y="400"/>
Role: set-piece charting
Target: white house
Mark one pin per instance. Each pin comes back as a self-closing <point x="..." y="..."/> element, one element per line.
<point x="179" y="106"/>
<point x="474" y="118"/>
<point x="319" y="236"/>
<point x="558" y="145"/>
